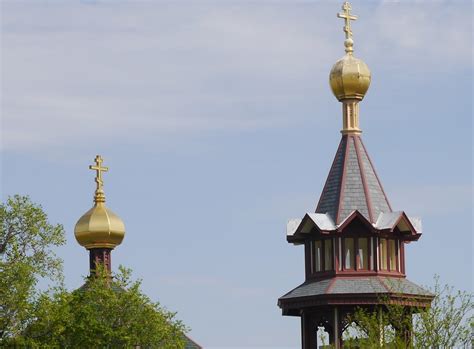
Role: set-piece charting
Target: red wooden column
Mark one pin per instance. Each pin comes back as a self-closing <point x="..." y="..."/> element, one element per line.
<point x="406" y="330"/>
<point x="335" y="338"/>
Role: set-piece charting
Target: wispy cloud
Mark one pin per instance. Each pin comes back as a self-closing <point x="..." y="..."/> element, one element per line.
<point x="113" y="71"/>
<point x="425" y="33"/>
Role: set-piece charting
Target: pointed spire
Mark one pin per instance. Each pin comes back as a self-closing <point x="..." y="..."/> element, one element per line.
<point x="352" y="184"/>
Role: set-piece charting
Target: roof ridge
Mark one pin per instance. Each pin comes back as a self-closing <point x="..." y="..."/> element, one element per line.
<point x="343" y="180"/>
<point x="331" y="284"/>
<point x="331" y="171"/>
<point x="192" y="342"/>
<point x="375" y="173"/>
<point x="364" y="179"/>
<point x="382" y="282"/>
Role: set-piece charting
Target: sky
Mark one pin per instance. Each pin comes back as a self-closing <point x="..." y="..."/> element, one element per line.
<point x="218" y="125"/>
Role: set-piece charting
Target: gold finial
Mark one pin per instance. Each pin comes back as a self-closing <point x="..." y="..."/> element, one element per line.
<point x="99" y="227"/>
<point x="348" y="17"/>
<point x="349" y="77"/>
<point x="99" y="192"/>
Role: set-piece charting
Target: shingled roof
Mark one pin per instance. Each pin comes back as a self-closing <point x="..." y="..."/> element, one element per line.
<point x="190" y="344"/>
<point x="352" y="184"/>
<point x="360" y="285"/>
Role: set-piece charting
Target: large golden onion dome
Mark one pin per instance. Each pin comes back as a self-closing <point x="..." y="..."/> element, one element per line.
<point x="99" y="227"/>
<point x="349" y="77"/>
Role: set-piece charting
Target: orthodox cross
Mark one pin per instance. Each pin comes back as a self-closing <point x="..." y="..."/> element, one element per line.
<point x="99" y="169"/>
<point x="348" y="17"/>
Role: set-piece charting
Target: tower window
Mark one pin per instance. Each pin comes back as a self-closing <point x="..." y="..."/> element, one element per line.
<point x="328" y="254"/>
<point x="383" y="254"/>
<point x="348" y="253"/>
<point x="362" y="254"/>
<point x="322" y="255"/>
<point x="392" y="255"/>
<point x="317" y="256"/>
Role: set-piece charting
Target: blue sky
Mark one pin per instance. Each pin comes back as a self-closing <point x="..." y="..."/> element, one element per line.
<point x="218" y="125"/>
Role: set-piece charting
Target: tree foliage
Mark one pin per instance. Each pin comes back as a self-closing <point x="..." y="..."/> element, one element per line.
<point x="26" y="242"/>
<point x="449" y="322"/>
<point x="446" y="324"/>
<point x="104" y="313"/>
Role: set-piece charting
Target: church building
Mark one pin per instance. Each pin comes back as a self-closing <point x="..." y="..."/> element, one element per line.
<point x="354" y="243"/>
<point x="100" y="230"/>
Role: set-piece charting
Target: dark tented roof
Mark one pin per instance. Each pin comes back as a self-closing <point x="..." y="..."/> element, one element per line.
<point x="190" y="344"/>
<point x="356" y="285"/>
<point x="352" y="184"/>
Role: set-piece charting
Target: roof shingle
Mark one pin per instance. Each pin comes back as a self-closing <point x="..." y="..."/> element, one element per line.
<point x="352" y="184"/>
<point x="357" y="285"/>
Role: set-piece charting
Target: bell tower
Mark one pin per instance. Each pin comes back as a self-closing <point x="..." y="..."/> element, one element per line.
<point x="354" y="243"/>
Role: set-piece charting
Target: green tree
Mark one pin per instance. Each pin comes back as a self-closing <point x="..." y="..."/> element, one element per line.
<point x="26" y="255"/>
<point x="449" y="322"/>
<point x="105" y="313"/>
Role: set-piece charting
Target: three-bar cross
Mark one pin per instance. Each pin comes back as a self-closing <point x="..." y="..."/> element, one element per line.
<point x="99" y="169"/>
<point x="348" y="17"/>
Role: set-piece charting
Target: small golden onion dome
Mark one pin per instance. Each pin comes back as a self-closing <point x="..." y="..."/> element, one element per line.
<point x="99" y="228"/>
<point x="350" y="76"/>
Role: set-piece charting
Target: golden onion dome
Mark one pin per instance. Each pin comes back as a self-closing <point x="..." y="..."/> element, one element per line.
<point x="350" y="76"/>
<point x="99" y="227"/>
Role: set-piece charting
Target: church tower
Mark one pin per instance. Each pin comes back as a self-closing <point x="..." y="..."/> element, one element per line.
<point x="354" y="243"/>
<point x="99" y="230"/>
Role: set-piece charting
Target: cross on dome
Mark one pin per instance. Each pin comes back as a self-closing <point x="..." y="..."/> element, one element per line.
<point x="348" y="17"/>
<point x="99" y="192"/>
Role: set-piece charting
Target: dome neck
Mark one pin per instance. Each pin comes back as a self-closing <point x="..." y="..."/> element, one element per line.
<point x="350" y="117"/>
<point x="99" y="197"/>
<point x="100" y="257"/>
<point x="99" y="203"/>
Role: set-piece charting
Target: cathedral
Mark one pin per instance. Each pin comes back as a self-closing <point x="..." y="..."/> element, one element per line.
<point x="354" y="242"/>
